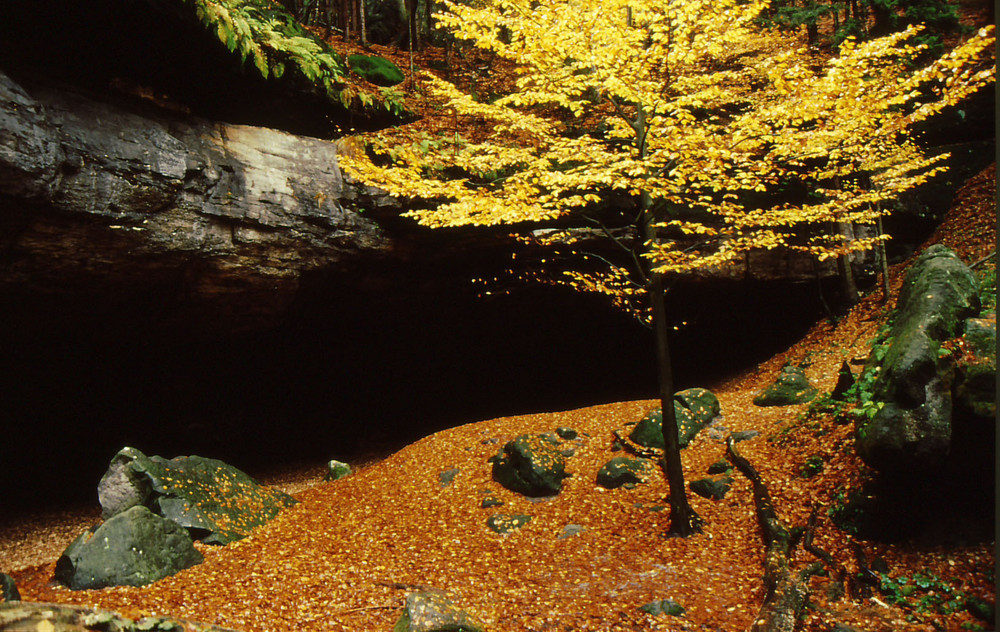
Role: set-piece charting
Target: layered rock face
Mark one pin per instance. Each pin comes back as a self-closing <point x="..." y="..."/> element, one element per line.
<point x="222" y="216"/>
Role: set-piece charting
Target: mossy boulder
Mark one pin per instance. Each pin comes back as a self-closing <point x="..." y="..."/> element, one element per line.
<point x="791" y="387"/>
<point x="976" y="369"/>
<point x="432" y="611"/>
<point x="216" y="502"/>
<point x="694" y="408"/>
<point x="623" y="471"/>
<point x="377" y="70"/>
<point x="910" y="429"/>
<point x="532" y="465"/>
<point x="133" y="548"/>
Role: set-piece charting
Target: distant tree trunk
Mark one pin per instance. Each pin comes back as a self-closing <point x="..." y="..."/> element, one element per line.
<point x="429" y="8"/>
<point x="883" y="261"/>
<point x="844" y="264"/>
<point x="345" y="19"/>
<point x="410" y="13"/>
<point x="362" y="23"/>
<point x="884" y="18"/>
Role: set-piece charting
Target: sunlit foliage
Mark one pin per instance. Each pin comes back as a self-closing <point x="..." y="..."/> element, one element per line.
<point x="691" y="111"/>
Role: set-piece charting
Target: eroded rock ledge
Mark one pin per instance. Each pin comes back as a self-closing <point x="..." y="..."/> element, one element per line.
<point x="219" y="215"/>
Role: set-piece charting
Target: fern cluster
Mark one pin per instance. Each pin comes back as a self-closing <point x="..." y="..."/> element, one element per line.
<point x="263" y="32"/>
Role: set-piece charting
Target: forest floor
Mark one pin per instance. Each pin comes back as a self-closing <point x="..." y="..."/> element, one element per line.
<point x="345" y="557"/>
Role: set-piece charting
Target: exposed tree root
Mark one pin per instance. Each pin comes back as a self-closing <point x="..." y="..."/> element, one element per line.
<point x="786" y="592"/>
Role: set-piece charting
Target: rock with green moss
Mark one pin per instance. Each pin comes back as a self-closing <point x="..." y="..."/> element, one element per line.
<point x="721" y="466"/>
<point x="791" y="387"/>
<point x="714" y="488"/>
<point x="531" y="465"/>
<point x="133" y="548"/>
<point x="694" y="409"/>
<point x="216" y="502"/>
<point x="336" y="470"/>
<point x="432" y="611"/>
<point x="623" y="471"/>
<point x="910" y="426"/>
<point x="975" y="376"/>
<point x="377" y="70"/>
<point x="507" y="523"/>
<point x="668" y="607"/>
<point x="8" y="589"/>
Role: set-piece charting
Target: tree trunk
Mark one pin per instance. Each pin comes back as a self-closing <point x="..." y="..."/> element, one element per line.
<point x="883" y="260"/>
<point x="683" y="519"/>
<point x="844" y="264"/>
<point x="362" y="23"/>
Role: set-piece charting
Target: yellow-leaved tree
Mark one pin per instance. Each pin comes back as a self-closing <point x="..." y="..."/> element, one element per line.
<point x="653" y="125"/>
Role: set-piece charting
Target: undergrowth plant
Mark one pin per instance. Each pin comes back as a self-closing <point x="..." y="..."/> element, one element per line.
<point x="265" y="34"/>
<point x="923" y="594"/>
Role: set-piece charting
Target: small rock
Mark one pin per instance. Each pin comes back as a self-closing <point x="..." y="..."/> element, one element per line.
<point x="567" y="433"/>
<point x="664" y="606"/>
<point x="432" y="611"/>
<point x="377" y="70"/>
<point x="570" y="530"/>
<point x="713" y="488"/>
<point x="845" y="380"/>
<point x="8" y="589"/>
<point x="694" y="409"/>
<point x="336" y="470"/>
<point x="506" y="523"/>
<point x="720" y="467"/>
<point x="448" y="476"/>
<point x="623" y="471"/>
<point x="744" y="435"/>
<point x="491" y="501"/>
<point x="790" y="387"/>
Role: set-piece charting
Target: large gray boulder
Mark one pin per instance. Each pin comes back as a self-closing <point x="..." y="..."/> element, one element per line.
<point x="910" y="429"/>
<point x="133" y="548"/>
<point x="217" y="502"/>
<point x="531" y="465"/>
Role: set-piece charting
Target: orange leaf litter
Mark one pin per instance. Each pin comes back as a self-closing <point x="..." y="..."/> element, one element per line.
<point x="347" y="554"/>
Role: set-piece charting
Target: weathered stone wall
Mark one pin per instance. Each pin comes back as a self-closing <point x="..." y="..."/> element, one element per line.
<point x="97" y="195"/>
